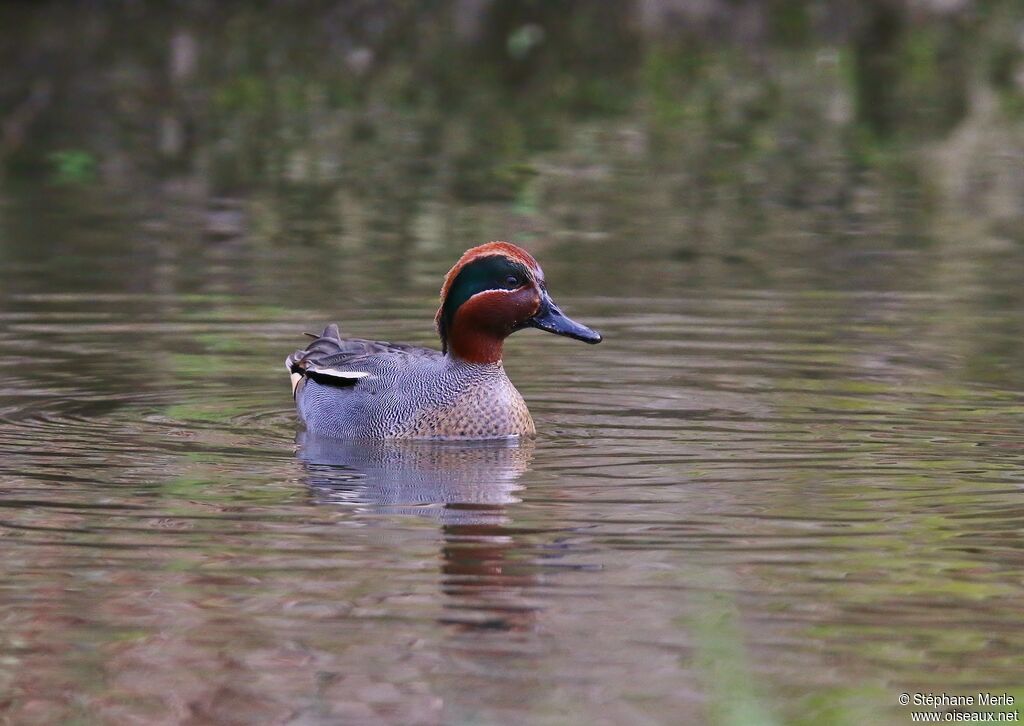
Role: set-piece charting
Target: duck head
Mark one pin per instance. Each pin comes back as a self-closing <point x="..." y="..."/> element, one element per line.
<point x="491" y="292"/>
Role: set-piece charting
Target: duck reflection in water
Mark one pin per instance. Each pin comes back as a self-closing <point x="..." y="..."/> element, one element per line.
<point x="466" y="488"/>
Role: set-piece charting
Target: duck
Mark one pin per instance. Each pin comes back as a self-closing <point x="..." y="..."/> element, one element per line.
<point x="352" y="388"/>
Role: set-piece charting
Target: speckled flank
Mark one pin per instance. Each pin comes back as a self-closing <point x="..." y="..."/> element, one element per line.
<point x="410" y="393"/>
<point x="480" y="413"/>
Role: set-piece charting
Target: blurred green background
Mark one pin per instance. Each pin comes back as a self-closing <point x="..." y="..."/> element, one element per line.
<point x="715" y="130"/>
<point x="307" y="153"/>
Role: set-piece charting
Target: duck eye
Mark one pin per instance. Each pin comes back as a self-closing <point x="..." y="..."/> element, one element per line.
<point x="512" y="281"/>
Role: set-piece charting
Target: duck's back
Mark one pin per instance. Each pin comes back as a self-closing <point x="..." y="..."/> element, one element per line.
<point x="353" y="388"/>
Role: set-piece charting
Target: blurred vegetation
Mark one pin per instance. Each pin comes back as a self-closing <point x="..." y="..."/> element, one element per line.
<point x="704" y="129"/>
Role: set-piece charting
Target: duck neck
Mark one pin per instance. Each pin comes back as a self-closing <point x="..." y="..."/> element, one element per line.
<point x="475" y="346"/>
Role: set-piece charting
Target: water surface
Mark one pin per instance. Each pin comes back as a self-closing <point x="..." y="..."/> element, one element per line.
<point x="770" y="503"/>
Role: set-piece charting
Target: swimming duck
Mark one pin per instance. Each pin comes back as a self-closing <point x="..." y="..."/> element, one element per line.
<point x="365" y="389"/>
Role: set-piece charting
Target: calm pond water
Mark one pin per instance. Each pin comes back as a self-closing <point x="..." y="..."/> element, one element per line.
<point x="782" y="502"/>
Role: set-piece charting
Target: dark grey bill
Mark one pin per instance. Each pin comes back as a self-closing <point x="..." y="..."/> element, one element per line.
<point x="553" y="320"/>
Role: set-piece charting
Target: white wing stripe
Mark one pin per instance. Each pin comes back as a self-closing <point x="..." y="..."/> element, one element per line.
<point x="348" y="375"/>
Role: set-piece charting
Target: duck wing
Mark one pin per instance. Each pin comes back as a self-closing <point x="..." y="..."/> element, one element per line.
<point x="336" y="361"/>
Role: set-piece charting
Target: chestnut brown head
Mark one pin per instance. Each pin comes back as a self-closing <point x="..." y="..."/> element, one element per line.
<point x="491" y="292"/>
